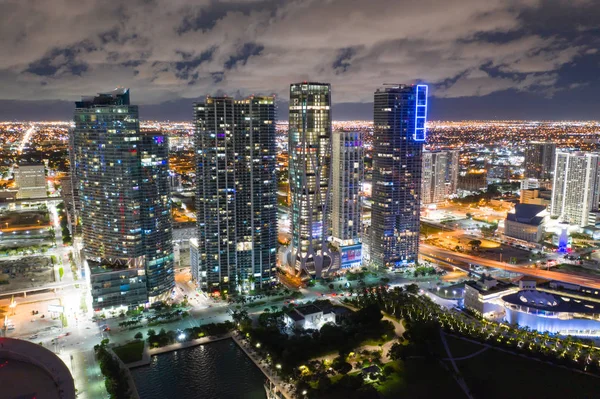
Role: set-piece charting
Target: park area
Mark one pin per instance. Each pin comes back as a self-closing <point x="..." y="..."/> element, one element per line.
<point x="131" y="352"/>
<point x="492" y="373"/>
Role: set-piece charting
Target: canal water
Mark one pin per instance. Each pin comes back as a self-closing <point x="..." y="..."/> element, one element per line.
<point x="219" y="370"/>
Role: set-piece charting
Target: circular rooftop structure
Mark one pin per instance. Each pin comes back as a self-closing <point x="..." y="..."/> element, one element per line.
<point x="28" y="370"/>
<point x="528" y="300"/>
<point x="538" y="299"/>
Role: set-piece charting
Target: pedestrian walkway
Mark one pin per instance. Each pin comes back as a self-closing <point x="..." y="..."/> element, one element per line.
<point x="89" y="380"/>
<point x="459" y="379"/>
<point x="280" y="386"/>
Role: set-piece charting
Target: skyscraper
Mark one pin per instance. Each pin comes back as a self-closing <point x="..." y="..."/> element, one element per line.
<point x="400" y="113"/>
<point x="309" y="146"/>
<point x="236" y="193"/>
<point x="348" y="168"/>
<point x="125" y="208"/>
<point x="439" y="175"/>
<point x="539" y="160"/>
<point x="576" y="185"/>
<point x="156" y="213"/>
<point x="433" y="183"/>
<point x="452" y="172"/>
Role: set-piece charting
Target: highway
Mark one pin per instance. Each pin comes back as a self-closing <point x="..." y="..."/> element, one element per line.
<point x="587" y="281"/>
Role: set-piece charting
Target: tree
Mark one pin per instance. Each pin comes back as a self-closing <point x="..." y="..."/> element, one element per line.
<point x="331" y="286"/>
<point x="475" y="244"/>
<point x="139" y="335"/>
<point x="151" y="332"/>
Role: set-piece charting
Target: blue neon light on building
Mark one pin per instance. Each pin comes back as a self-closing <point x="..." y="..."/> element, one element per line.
<point x="420" y="113"/>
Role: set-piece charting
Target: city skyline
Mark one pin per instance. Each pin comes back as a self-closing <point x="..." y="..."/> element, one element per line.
<point x="299" y="199"/>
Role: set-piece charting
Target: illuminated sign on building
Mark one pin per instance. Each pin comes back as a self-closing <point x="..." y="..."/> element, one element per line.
<point x="420" y="113"/>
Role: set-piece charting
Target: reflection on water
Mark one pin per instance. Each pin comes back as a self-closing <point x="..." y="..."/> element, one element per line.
<point x="220" y="370"/>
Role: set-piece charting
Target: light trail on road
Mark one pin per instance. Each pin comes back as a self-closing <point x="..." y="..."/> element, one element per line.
<point x="26" y="138"/>
<point x="587" y="281"/>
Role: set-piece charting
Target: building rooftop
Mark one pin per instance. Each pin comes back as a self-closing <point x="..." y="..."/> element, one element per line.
<point x="308" y="309"/>
<point x="527" y="214"/>
<point x="483" y="288"/>
<point x="551" y="302"/>
<point x="119" y="96"/>
<point x="294" y="315"/>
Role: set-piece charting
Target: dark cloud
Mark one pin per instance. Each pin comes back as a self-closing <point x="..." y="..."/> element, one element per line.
<point x="190" y="63"/>
<point x="241" y="57"/>
<point x="62" y="61"/>
<point x="342" y="61"/>
<point x="167" y="50"/>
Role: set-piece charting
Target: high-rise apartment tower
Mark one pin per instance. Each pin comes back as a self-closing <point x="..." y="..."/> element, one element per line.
<point x="576" y="187"/>
<point x="236" y="194"/>
<point x="400" y="113"/>
<point x="347" y="170"/>
<point x="122" y="180"/>
<point x="309" y="146"/>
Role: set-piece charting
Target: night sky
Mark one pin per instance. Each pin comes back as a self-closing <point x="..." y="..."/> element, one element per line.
<point x="484" y="59"/>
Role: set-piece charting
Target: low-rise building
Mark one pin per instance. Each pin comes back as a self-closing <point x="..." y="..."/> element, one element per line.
<point x="484" y="296"/>
<point x="31" y="181"/>
<point x="117" y="288"/>
<point x="536" y="196"/>
<point x="526" y="222"/>
<point x="308" y="317"/>
<point x="555" y="313"/>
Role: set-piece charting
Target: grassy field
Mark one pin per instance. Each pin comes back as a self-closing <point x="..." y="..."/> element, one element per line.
<point x="131" y="352"/>
<point x="494" y="374"/>
<point x="418" y="378"/>
<point x="491" y="374"/>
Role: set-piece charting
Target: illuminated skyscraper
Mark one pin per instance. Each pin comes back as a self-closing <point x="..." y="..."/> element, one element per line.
<point x="400" y="113"/>
<point x="236" y="194"/>
<point x="576" y="188"/>
<point x="309" y="146"/>
<point x="439" y="175"/>
<point x="122" y="178"/>
<point x="539" y="160"/>
<point x="433" y="186"/>
<point x="452" y="172"/>
<point x="347" y="169"/>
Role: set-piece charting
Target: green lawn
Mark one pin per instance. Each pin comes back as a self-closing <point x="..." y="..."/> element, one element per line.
<point x="418" y="378"/>
<point x="460" y="347"/>
<point x="495" y="374"/>
<point x="131" y="352"/>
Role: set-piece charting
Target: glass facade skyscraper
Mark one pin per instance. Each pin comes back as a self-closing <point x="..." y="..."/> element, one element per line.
<point x="347" y="170"/>
<point x="400" y="113"/>
<point x="125" y="207"/>
<point x="309" y="147"/>
<point x="236" y="194"/>
<point x="539" y="160"/>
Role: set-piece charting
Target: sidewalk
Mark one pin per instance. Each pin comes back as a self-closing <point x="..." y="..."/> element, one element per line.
<point x="279" y="384"/>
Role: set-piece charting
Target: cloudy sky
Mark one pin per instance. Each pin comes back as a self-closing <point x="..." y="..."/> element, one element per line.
<point x="484" y="59"/>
